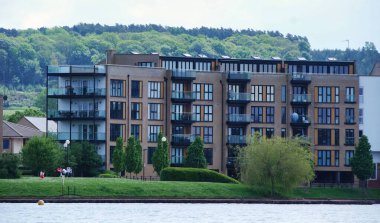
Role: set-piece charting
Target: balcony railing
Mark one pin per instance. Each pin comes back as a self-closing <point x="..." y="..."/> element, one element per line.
<point x="349" y="141"/>
<point x="240" y="118"/>
<point x="77" y="69"/>
<point x="78" y="136"/>
<point x="183" y="117"/>
<point x="243" y="97"/>
<point x="350" y="120"/>
<point x="184" y="74"/>
<point x="239" y="75"/>
<point x="350" y="99"/>
<point x="301" y="77"/>
<point x="184" y="95"/>
<point x="61" y="114"/>
<point x="301" y="98"/>
<point x="237" y="139"/>
<point x="77" y="91"/>
<point x="182" y="139"/>
<point x="296" y="119"/>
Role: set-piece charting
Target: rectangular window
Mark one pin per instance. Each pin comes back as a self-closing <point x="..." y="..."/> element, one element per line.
<point x="154" y="89"/>
<point x="177" y="156"/>
<point x="197" y="112"/>
<point x="283" y="93"/>
<point x="350" y="116"/>
<point x="324" y="94"/>
<point x="6" y="143"/>
<point x="256" y="93"/>
<point x="254" y="130"/>
<point x="112" y="148"/>
<point x="336" y="157"/>
<point x="150" y="154"/>
<point x="337" y="116"/>
<point x="117" y="88"/>
<point x="208" y="155"/>
<point x="153" y="131"/>
<point x="117" y="110"/>
<point x="116" y="130"/>
<point x="197" y="90"/>
<point x="324" y="158"/>
<point x="283" y="115"/>
<point x="154" y="111"/>
<point x="257" y="114"/>
<point x="207" y="113"/>
<point x="347" y="159"/>
<point x="269" y="114"/>
<point x="207" y="135"/>
<point x="136" y="131"/>
<point x="350" y="137"/>
<point x="135" y="111"/>
<point x="350" y="94"/>
<point x="337" y="137"/>
<point x="196" y="131"/>
<point x="269" y="132"/>
<point x="270" y="93"/>
<point x="324" y="137"/>
<point x="324" y="115"/>
<point x="360" y="116"/>
<point x="208" y="92"/>
<point x="136" y="89"/>
<point x="283" y="132"/>
<point x="337" y="94"/>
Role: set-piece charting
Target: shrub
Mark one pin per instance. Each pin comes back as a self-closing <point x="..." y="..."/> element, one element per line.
<point x="108" y="175"/>
<point x="9" y="166"/>
<point x="194" y="174"/>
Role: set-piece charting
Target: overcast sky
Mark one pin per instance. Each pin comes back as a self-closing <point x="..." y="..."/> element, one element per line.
<point x="327" y="24"/>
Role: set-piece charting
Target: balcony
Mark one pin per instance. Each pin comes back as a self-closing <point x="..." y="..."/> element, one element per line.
<point x="238" y="119"/>
<point x="182" y="139"/>
<point x="76" y="114"/>
<point x="183" y="118"/>
<point x="184" y="75"/>
<point x="76" y="70"/>
<point x="300" y="78"/>
<point x="350" y="99"/>
<point x="237" y="139"/>
<point x="234" y="97"/>
<point x="299" y="120"/>
<point x="78" y="92"/>
<point x="239" y="76"/>
<point x="300" y="99"/>
<point x="78" y="136"/>
<point x="184" y="96"/>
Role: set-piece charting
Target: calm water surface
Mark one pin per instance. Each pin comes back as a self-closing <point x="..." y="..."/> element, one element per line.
<point x="182" y="213"/>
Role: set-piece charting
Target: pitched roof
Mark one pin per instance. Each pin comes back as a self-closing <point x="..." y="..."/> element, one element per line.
<point x="40" y="123"/>
<point x="15" y="130"/>
<point x="376" y="69"/>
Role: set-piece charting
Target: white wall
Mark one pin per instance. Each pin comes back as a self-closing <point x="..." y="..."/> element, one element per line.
<point x="371" y="109"/>
<point x="17" y="145"/>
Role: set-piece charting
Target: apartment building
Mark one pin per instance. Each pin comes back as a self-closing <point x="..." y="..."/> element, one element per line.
<point x="224" y="101"/>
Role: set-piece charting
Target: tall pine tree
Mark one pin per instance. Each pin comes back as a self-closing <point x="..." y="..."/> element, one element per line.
<point x="362" y="161"/>
<point x="195" y="155"/>
<point x="119" y="156"/>
<point x="131" y="161"/>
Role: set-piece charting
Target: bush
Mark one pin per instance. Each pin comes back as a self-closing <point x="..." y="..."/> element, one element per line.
<point x="194" y="174"/>
<point x="108" y="175"/>
<point x="9" y="166"/>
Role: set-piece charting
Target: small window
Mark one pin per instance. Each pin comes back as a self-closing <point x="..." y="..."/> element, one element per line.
<point x="136" y="91"/>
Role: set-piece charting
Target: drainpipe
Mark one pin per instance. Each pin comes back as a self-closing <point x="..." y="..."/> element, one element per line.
<point x="222" y="132"/>
<point x="129" y="108"/>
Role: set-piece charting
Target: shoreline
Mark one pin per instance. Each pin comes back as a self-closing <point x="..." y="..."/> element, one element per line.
<point x="188" y="201"/>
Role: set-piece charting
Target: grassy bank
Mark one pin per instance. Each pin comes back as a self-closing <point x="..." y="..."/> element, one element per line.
<point x="111" y="187"/>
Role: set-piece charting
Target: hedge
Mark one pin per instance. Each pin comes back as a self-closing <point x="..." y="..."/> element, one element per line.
<point x="194" y="174"/>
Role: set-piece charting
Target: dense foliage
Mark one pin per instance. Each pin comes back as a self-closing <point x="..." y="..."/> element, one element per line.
<point x="18" y="115"/>
<point x="84" y="159"/>
<point x="195" y="154"/>
<point x="276" y="165"/>
<point x="362" y="161"/>
<point x="160" y="159"/>
<point x="195" y="175"/>
<point x="9" y="166"/>
<point x="42" y="154"/>
<point x="24" y="54"/>
<point x="118" y="156"/>
<point x="131" y="161"/>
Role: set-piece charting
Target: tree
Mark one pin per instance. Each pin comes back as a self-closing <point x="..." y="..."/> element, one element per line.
<point x="275" y="165"/>
<point x="160" y="157"/>
<point x="362" y="161"/>
<point x="139" y="163"/>
<point x="119" y="158"/>
<point x="195" y="154"/>
<point x="9" y="165"/>
<point x="18" y="115"/>
<point x="131" y="161"/>
<point x="42" y="154"/>
<point x="40" y="101"/>
<point x="84" y="159"/>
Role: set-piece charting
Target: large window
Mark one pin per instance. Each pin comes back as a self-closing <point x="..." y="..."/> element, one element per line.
<point x="350" y="116"/>
<point x="208" y="113"/>
<point x="197" y="90"/>
<point x="136" y="131"/>
<point x="350" y="94"/>
<point x="257" y="114"/>
<point x="324" y="94"/>
<point x="270" y="93"/>
<point x="153" y="131"/>
<point x="208" y="92"/>
<point x="135" y="111"/>
<point x="117" y="110"/>
<point x="177" y="156"/>
<point x="337" y="94"/>
<point x="269" y="114"/>
<point x="197" y="112"/>
<point x="324" y="137"/>
<point x="154" y="111"/>
<point x="324" y="115"/>
<point x="283" y="93"/>
<point x="117" y="88"/>
<point x="208" y="155"/>
<point x="116" y="130"/>
<point x="207" y="135"/>
<point x="347" y="159"/>
<point x="136" y="91"/>
<point x="350" y="137"/>
<point x="154" y="89"/>
<point x="336" y="157"/>
<point x="324" y="158"/>
<point x="257" y="93"/>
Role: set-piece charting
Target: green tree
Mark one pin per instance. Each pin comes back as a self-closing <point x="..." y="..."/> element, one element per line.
<point x="139" y="163"/>
<point x="160" y="157"/>
<point x="119" y="156"/>
<point x="131" y="161"/>
<point x="42" y="154"/>
<point x="9" y="165"/>
<point x="275" y="165"/>
<point x="84" y="159"/>
<point x="40" y="101"/>
<point x="195" y="155"/>
<point x="18" y="115"/>
<point x="362" y="161"/>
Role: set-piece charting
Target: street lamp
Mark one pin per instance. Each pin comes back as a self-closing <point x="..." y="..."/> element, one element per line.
<point x="163" y="139"/>
<point x="65" y="145"/>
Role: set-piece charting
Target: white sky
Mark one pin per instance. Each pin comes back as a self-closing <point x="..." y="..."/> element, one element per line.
<point x="325" y="23"/>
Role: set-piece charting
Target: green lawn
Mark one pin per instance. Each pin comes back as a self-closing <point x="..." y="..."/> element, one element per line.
<point x="123" y="188"/>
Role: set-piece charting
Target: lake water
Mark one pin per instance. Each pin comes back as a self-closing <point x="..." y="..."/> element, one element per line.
<point x="182" y="213"/>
